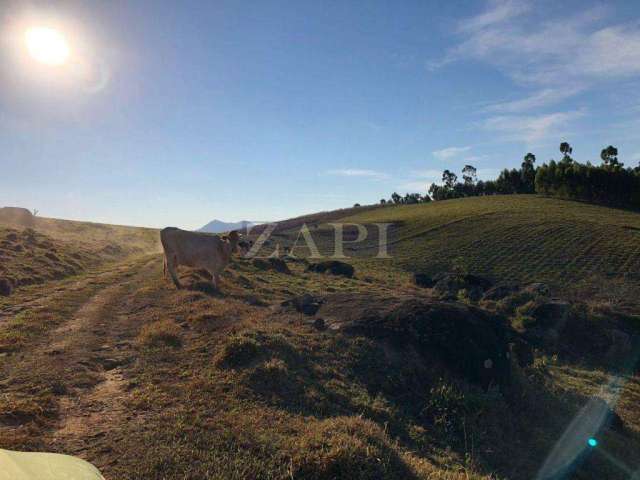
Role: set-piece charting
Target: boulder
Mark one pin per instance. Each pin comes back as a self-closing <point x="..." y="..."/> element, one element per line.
<point x="319" y="324"/>
<point x="333" y="267"/>
<point x="470" y="341"/>
<point x="276" y="264"/>
<point x="279" y="265"/>
<point x="306" y="303"/>
<point x="423" y="280"/>
<point x="5" y="287"/>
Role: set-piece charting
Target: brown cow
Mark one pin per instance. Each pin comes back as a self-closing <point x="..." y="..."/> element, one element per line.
<point x="197" y="250"/>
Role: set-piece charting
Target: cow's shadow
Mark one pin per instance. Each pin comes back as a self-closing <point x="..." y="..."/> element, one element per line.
<point x="199" y="280"/>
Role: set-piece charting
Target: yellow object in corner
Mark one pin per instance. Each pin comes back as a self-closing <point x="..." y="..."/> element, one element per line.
<point x="45" y="466"/>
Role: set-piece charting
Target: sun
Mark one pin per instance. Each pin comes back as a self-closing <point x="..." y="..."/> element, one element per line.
<point x="47" y="45"/>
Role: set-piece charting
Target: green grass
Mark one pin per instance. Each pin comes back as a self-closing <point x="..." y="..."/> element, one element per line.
<point x="519" y="238"/>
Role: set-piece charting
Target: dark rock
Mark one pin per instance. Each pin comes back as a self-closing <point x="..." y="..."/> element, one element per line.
<point x="333" y="267"/>
<point x="12" y="236"/>
<point x="499" y="292"/>
<point x="307" y="304"/>
<point x="465" y="339"/>
<point x="279" y="265"/>
<point x="112" y="363"/>
<point x="5" y="287"/>
<point x="276" y="264"/>
<point x="319" y="324"/>
<point x="423" y="280"/>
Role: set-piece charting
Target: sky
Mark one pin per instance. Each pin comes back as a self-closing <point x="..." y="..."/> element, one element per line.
<point x="176" y="113"/>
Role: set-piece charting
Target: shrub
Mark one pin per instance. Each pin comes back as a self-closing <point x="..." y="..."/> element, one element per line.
<point x="445" y="408"/>
<point x="347" y="447"/>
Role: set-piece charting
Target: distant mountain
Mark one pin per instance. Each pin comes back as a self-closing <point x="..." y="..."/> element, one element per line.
<point x="218" y="226"/>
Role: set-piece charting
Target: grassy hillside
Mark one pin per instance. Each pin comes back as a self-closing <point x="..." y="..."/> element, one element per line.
<point x="42" y="249"/>
<point x="520" y="238"/>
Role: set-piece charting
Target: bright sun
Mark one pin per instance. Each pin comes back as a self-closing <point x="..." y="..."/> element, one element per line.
<point x="47" y="45"/>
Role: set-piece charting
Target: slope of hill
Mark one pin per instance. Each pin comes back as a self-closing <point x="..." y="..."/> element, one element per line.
<point x="519" y="238"/>
<point x="34" y="249"/>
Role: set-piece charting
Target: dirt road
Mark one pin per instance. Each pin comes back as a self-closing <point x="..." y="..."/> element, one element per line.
<point x="70" y="382"/>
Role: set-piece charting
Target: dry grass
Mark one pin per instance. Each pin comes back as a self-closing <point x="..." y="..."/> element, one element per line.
<point x="50" y="249"/>
<point x="160" y="333"/>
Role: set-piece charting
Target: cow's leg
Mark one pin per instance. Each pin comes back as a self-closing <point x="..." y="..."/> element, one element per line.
<point x="164" y="267"/>
<point x="172" y="265"/>
<point x="215" y="278"/>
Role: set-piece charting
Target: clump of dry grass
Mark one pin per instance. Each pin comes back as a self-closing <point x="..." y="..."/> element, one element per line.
<point x="160" y="333"/>
<point x="239" y="351"/>
<point x="347" y="447"/>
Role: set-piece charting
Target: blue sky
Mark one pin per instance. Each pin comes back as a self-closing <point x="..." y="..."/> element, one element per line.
<point x="188" y="111"/>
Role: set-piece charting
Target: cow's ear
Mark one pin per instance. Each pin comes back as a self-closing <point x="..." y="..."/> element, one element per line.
<point x="225" y="238"/>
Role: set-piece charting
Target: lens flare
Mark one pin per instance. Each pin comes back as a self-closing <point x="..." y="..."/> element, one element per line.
<point x="592" y="442"/>
<point x="47" y="45"/>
